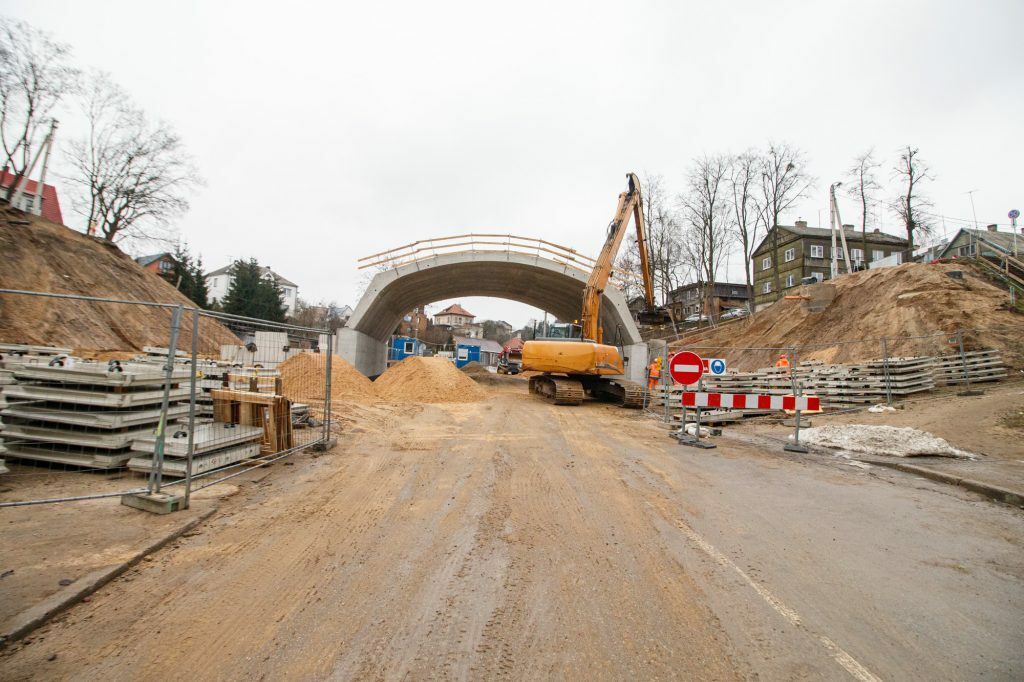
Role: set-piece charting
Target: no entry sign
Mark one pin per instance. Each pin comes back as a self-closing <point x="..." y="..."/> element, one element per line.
<point x="686" y="367"/>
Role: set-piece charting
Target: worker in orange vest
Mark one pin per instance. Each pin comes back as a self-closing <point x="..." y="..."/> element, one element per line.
<point x="653" y="374"/>
<point x="783" y="361"/>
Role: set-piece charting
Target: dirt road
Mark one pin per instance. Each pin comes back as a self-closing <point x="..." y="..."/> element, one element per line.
<point x="515" y="539"/>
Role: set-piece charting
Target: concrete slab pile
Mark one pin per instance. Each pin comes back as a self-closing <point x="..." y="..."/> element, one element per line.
<point x="85" y="414"/>
<point x="215" y="445"/>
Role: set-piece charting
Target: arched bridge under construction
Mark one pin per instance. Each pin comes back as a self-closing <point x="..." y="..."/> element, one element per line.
<point x="531" y="271"/>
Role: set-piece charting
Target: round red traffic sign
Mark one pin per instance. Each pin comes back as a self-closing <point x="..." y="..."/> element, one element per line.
<point x="686" y="367"/>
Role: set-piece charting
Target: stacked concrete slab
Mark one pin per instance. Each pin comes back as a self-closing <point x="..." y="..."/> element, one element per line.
<point x="215" y="444"/>
<point x="85" y="414"/>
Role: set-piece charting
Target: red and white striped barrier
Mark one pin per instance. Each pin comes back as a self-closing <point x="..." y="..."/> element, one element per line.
<point x="750" y="401"/>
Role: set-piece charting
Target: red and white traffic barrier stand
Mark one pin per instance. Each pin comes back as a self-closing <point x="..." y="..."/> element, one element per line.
<point x="687" y="368"/>
<point x="751" y="401"/>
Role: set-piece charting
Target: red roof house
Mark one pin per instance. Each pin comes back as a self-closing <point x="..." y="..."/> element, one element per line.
<point x="51" y="204"/>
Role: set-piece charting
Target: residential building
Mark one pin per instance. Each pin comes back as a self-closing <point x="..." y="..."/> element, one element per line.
<point x="160" y="263"/>
<point x="460" y="320"/>
<point x="692" y="299"/>
<point x="503" y="328"/>
<point x="804" y="251"/>
<point x="414" y="323"/>
<point x="219" y="281"/>
<point x="47" y="206"/>
<point x="987" y="243"/>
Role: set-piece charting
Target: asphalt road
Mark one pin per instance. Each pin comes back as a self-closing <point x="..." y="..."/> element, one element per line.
<point x="519" y="540"/>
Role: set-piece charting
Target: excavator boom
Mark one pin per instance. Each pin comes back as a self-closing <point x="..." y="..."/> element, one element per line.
<point x="630" y="205"/>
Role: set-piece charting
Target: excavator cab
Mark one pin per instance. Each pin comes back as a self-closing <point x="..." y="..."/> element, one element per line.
<point x="564" y="330"/>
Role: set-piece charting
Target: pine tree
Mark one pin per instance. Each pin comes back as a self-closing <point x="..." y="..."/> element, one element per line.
<point x="188" y="276"/>
<point x="253" y="295"/>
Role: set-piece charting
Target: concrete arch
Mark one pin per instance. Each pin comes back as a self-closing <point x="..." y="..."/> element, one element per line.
<point x="530" y="279"/>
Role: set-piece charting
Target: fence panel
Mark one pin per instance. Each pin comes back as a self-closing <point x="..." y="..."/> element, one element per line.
<point x="107" y="398"/>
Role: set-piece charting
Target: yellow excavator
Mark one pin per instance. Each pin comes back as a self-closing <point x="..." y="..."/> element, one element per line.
<point x="572" y="357"/>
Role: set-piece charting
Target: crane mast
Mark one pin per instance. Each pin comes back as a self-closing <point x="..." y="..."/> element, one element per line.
<point x="630" y="202"/>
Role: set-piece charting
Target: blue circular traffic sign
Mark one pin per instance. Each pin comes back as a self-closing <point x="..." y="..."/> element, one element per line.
<point x="717" y="366"/>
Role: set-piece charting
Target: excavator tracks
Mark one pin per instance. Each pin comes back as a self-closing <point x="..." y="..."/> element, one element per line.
<point x="558" y="390"/>
<point x="633" y="394"/>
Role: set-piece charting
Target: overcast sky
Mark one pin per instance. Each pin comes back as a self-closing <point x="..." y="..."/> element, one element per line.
<point x="329" y="131"/>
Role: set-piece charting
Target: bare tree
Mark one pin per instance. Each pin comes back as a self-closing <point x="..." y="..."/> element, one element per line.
<point x="133" y="176"/>
<point x="34" y="76"/>
<point x="862" y="185"/>
<point x="664" y="241"/>
<point x="783" y="182"/>
<point x="707" y="210"/>
<point x="911" y="205"/>
<point x="743" y="181"/>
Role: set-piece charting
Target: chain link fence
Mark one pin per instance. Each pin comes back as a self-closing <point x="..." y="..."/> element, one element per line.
<point x="107" y="398"/>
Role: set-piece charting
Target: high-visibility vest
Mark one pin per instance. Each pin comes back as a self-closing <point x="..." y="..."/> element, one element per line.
<point x="655" y="370"/>
<point x="783" y="362"/>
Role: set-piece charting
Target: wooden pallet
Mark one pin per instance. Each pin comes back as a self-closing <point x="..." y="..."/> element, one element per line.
<point x="272" y="412"/>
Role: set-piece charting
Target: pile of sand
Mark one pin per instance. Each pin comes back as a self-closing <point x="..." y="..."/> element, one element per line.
<point x="302" y="378"/>
<point x="910" y="300"/>
<point x="427" y="380"/>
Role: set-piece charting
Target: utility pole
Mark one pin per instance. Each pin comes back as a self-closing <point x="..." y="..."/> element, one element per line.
<point x="23" y="181"/>
<point x="837" y="223"/>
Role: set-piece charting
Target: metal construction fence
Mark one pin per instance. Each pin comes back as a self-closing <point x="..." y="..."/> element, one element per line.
<point x="104" y="398"/>
<point x="844" y="374"/>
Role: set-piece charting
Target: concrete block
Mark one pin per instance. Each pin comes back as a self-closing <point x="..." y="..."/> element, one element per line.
<point x="154" y="503"/>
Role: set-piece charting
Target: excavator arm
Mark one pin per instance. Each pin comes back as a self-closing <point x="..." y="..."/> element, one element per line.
<point x="630" y="203"/>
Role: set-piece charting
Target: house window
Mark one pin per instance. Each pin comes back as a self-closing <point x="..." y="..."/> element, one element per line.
<point x="877" y="254"/>
<point x="857" y="255"/>
<point x="767" y="288"/>
<point x="967" y="250"/>
<point x="790" y="255"/>
<point x="820" y="276"/>
<point x="837" y="252"/>
<point x="165" y="266"/>
<point x="789" y="281"/>
<point x="409" y="346"/>
<point x="766" y="262"/>
<point x="817" y="251"/>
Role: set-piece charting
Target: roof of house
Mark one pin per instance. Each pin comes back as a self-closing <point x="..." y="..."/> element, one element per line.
<point x="51" y="204"/>
<point x="264" y="270"/>
<point x="485" y="345"/>
<point x="515" y="343"/>
<point x="875" y="236"/>
<point x="146" y="260"/>
<point x="999" y="240"/>
<point x="455" y="309"/>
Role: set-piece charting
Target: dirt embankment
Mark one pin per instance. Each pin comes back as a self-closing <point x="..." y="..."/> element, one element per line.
<point x="906" y="301"/>
<point x="427" y="380"/>
<point x="42" y="256"/>
<point x="414" y="380"/>
<point x="302" y="378"/>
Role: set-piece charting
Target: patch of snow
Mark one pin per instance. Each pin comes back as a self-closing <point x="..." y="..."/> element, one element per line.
<point x="892" y="441"/>
<point x="881" y="408"/>
<point x="692" y="430"/>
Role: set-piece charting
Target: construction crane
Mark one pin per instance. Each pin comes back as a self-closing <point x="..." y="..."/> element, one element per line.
<point x="573" y="358"/>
